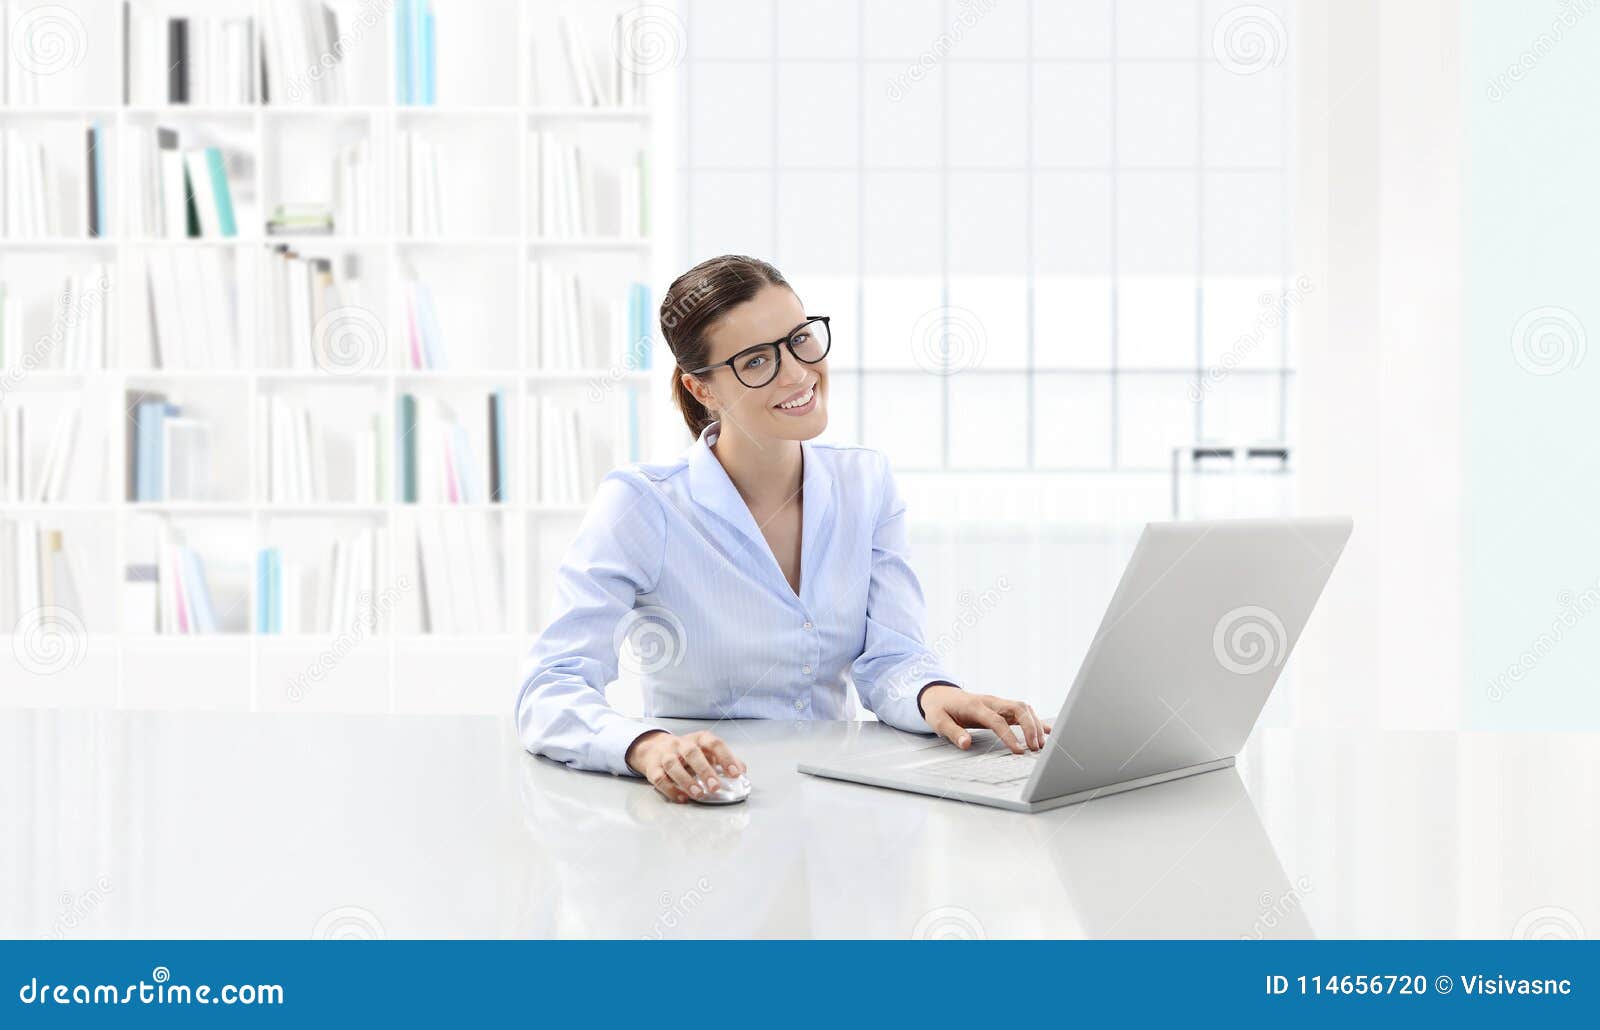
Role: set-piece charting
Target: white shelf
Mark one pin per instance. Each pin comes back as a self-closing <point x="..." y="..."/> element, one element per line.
<point x="142" y="660"/>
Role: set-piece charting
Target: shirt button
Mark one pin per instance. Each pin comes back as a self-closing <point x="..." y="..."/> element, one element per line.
<point x="806" y="669"/>
<point x="799" y="704"/>
<point x="807" y="624"/>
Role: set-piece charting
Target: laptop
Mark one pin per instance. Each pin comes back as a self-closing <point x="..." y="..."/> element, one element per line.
<point x="1191" y="645"/>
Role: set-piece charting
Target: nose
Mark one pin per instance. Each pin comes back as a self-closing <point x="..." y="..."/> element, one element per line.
<point x="791" y="372"/>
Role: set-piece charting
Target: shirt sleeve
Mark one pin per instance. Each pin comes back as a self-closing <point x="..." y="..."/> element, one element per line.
<point x="561" y="707"/>
<point x="895" y="664"/>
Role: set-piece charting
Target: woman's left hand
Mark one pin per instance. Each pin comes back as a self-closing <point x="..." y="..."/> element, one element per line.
<point x="952" y="711"/>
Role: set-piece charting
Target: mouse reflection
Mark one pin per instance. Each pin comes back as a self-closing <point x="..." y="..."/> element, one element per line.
<point x="1183" y="859"/>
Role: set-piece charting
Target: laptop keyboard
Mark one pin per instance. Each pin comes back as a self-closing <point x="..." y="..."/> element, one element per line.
<point x="994" y="767"/>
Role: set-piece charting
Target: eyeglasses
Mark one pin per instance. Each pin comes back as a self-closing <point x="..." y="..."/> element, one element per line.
<point x="757" y="366"/>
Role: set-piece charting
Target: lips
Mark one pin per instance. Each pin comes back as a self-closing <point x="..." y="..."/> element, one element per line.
<point x="799" y="399"/>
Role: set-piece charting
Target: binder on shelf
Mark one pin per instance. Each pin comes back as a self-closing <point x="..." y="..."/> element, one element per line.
<point x="37" y="569"/>
<point x="459" y="565"/>
<point x="31" y="194"/>
<point x="302" y="53"/>
<point x="194" y="302"/>
<point x="439" y="464"/>
<point x="21" y="482"/>
<point x="344" y="589"/>
<point x="94" y="177"/>
<point x="209" y="195"/>
<point x="169" y="454"/>
<point x="424" y="340"/>
<point x="177" y="193"/>
<point x="183" y="602"/>
<point x="497" y="445"/>
<point x="415" y="78"/>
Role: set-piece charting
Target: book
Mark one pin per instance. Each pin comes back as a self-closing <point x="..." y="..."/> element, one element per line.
<point x="221" y="195"/>
<point x="177" y="61"/>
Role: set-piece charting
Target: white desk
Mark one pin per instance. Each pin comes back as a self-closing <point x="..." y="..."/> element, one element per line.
<point x="157" y="824"/>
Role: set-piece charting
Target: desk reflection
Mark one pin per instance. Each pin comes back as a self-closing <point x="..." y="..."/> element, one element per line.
<point x="807" y="857"/>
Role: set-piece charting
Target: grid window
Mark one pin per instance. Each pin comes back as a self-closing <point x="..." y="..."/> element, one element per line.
<point x="1057" y="232"/>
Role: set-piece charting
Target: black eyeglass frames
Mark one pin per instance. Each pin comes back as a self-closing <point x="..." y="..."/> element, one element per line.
<point x="756" y="366"/>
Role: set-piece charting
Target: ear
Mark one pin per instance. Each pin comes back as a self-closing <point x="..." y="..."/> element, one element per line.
<point x="699" y="391"/>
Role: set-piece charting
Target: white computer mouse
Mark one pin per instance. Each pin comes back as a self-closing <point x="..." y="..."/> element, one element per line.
<point x="730" y="790"/>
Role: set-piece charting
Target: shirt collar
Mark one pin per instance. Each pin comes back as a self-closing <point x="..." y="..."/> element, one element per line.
<point x="713" y="490"/>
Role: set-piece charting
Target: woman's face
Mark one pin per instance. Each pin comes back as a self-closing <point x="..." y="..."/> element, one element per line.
<point x="794" y="405"/>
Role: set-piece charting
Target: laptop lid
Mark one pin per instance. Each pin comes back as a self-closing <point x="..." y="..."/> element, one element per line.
<point x="1191" y="645"/>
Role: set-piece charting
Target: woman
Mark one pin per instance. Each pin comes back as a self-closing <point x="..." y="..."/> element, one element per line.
<point x="755" y="572"/>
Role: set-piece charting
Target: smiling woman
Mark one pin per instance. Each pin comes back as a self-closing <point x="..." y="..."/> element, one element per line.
<point x="761" y="574"/>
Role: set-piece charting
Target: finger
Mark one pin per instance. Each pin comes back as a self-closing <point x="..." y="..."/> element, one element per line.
<point x="721" y="754"/>
<point x="679" y="773"/>
<point x="664" y="785"/>
<point x="995" y="721"/>
<point x="1020" y="713"/>
<point x="950" y="730"/>
<point x="1048" y="725"/>
<point x="695" y="758"/>
<point x="1032" y="729"/>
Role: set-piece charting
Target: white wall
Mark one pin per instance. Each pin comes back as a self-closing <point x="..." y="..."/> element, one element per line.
<point x="1379" y="234"/>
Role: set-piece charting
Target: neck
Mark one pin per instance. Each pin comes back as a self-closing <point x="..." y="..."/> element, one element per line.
<point x="766" y="472"/>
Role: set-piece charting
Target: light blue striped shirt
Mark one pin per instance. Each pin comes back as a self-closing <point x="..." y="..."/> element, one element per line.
<point x="670" y="579"/>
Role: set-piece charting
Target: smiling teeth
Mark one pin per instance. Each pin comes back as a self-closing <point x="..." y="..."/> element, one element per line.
<point x="799" y="401"/>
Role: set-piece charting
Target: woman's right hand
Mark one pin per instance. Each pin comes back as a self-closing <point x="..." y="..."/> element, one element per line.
<point x="682" y="767"/>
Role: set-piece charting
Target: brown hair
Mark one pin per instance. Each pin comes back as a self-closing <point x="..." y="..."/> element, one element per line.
<point x="693" y="304"/>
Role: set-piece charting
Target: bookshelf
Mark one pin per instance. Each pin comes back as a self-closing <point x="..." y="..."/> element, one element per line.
<point x="479" y="261"/>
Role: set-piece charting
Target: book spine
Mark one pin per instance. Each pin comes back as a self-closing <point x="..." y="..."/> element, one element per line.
<point x="220" y="192"/>
<point x="178" y="61"/>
